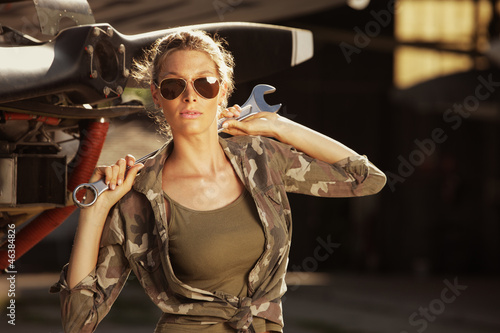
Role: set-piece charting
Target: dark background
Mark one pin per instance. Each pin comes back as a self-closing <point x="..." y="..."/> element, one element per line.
<point x="439" y="220"/>
<point x="443" y="218"/>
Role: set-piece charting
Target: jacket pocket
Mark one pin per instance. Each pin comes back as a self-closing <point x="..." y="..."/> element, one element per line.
<point x="274" y="197"/>
<point x="276" y="210"/>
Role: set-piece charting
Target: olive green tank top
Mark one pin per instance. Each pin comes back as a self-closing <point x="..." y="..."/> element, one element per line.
<point x="215" y="250"/>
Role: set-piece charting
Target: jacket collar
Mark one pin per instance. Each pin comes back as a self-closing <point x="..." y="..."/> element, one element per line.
<point x="149" y="179"/>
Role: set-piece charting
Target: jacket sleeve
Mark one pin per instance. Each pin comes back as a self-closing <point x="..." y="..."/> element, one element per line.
<point x="352" y="176"/>
<point x="86" y="304"/>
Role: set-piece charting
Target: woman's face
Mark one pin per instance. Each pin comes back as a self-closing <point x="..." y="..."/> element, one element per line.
<point x="189" y="113"/>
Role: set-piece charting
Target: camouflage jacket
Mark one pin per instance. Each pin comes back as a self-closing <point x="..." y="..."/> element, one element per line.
<point x="135" y="237"/>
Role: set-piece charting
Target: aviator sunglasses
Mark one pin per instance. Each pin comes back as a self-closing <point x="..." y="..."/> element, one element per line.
<point x="206" y="87"/>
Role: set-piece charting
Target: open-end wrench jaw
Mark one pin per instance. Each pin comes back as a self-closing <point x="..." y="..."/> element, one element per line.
<point x="255" y="104"/>
<point x="257" y="100"/>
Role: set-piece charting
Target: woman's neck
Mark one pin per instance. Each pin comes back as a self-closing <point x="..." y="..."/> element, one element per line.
<point x="196" y="155"/>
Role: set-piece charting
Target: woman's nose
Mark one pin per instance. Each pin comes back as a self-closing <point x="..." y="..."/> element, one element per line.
<point x="189" y="94"/>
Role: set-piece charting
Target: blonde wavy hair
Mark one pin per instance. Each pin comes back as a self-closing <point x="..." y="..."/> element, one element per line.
<point x="146" y="69"/>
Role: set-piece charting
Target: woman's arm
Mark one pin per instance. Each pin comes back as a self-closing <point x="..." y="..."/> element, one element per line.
<point x="304" y="139"/>
<point x="311" y="142"/>
<point x="85" y="250"/>
<point x="359" y="176"/>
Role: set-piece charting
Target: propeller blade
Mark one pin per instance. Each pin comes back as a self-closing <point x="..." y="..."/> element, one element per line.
<point x="92" y="63"/>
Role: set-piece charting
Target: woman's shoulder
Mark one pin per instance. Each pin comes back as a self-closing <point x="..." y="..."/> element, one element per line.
<point x="133" y="216"/>
<point x="245" y="142"/>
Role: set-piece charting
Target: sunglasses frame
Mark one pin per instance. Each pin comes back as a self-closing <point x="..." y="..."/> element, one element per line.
<point x="186" y="82"/>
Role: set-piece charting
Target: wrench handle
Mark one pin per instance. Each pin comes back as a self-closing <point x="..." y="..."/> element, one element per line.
<point x="246" y="111"/>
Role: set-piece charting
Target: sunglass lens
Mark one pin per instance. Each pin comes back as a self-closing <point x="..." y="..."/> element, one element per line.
<point x="207" y="87"/>
<point x="172" y="88"/>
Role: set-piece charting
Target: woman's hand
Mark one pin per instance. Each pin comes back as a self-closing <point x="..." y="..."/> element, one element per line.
<point x="231" y="112"/>
<point x="118" y="178"/>
<point x="262" y="123"/>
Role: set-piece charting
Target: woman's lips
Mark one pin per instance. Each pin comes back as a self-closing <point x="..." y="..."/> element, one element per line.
<point x="190" y="114"/>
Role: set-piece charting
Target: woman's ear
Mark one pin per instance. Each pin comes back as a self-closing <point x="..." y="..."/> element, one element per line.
<point x="156" y="95"/>
<point x="223" y="92"/>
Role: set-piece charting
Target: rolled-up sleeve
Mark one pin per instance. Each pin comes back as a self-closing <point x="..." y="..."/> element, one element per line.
<point x="349" y="177"/>
<point x="87" y="303"/>
<point x="361" y="176"/>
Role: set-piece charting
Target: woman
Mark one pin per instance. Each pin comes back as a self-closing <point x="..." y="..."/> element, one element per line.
<point x="206" y="225"/>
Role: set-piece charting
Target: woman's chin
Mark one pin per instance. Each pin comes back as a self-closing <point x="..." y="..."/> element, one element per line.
<point x="193" y="130"/>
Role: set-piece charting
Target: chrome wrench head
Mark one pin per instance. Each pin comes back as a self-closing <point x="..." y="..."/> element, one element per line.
<point x="96" y="188"/>
<point x="255" y="104"/>
<point x="257" y="101"/>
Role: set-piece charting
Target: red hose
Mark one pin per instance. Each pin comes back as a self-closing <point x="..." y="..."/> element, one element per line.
<point x="24" y="116"/>
<point x="91" y="142"/>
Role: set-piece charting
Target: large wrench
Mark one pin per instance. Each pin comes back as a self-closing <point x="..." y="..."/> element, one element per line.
<point x="254" y="104"/>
